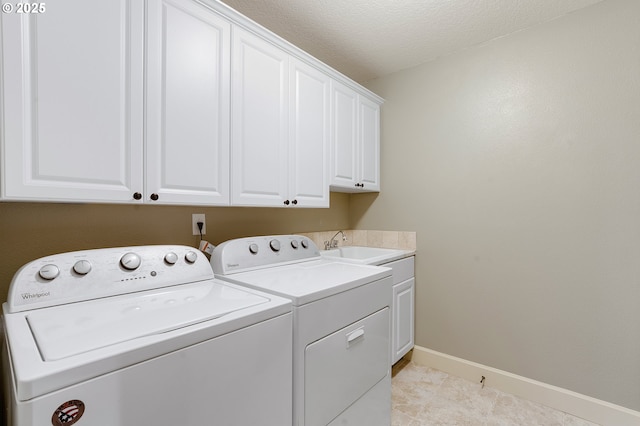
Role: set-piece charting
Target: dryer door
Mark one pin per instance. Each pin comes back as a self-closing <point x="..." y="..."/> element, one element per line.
<point x="345" y="365"/>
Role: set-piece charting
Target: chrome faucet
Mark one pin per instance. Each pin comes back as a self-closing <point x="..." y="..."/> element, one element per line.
<point x="333" y="243"/>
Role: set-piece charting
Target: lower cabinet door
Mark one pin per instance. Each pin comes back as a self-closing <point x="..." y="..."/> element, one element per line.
<point x="403" y="318"/>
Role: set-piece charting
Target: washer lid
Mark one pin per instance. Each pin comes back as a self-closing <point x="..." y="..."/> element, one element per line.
<point x="81" y="327"/>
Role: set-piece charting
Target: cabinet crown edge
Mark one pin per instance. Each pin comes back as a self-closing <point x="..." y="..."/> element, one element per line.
<point x="248" y="24"/>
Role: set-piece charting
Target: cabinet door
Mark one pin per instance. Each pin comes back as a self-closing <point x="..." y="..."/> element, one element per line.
<point x="403" y="319"/>
<point x="344" y="136"/>
<point x="72" y="99"/>
<point x="309" y="136"/>
<point x="188" y="74"/>
<point x="369" y="136"/>
<point x="259" y="122"/>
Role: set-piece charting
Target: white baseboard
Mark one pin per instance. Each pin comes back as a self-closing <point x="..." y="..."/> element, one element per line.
<point x="585" y="407"/>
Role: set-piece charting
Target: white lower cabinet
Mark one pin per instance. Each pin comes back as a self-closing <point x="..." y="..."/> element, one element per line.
<point x="280" y="127"/>
<point x="403" y="320"/>
<point x="402" y="311"/>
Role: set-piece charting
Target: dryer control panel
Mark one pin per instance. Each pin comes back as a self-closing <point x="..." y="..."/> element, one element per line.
<point x="92" y="274"/>
<point x="245" y="254"/>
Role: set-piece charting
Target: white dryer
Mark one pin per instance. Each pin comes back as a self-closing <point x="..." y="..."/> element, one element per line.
<point x="341" y="327"/>
<point x="143" y="336"/>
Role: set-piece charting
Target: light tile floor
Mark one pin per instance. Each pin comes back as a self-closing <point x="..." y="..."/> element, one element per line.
<point x="424" y="396"/>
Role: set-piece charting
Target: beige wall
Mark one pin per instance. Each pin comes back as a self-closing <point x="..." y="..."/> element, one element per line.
<point x="518" y="164"/>
<point x="32" y="230"/>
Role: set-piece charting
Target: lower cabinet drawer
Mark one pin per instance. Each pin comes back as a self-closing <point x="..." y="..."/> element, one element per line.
<point x="403" y="269"/>
<point x="344" y="365"/>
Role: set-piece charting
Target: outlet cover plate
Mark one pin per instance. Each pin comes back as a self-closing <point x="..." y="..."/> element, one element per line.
<point x="195" y="218"/>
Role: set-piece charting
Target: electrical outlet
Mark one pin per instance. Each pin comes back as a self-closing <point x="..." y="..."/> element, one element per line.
<point x="195" y="218"/>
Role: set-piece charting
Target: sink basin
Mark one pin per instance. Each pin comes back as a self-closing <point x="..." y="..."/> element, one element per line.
<point x="366" y="255"/>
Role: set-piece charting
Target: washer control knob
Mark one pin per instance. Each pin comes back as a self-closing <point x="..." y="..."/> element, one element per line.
<point x="82" y="267"/>
<point x="130" y="261"/>
<point x="49" y="272"/>
<point x="191" y="257"/>
<point x="171" y="258"/>
<point x="305" y="243"/>
<point x="253" y="248"/>
<point x="294" y="244"/>
<point x="275" y="245"/>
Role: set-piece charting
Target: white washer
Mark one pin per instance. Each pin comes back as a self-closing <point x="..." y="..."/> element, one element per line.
<point x="143" y="336"/>
<point x="341" y="327"/>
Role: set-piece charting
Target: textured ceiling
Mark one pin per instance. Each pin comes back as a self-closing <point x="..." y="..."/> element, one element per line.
<point x="365" y="39"/>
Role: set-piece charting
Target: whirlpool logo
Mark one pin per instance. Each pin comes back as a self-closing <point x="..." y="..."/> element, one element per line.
<point x="29" y="296"/>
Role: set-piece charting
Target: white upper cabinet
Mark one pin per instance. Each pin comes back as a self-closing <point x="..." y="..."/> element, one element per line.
<point x="188" y="71"/>
<point x="355" y="141"/>
<point x="280" y="127"/>
<point x="175" y="102"/>
<point x="74" y="86"/>
<point x="72" y="97"/>
<point x="369" y="141"/>
<point x="309" y="136"/>
<point x="259" y="121"/>
<point x="344" y="136"/>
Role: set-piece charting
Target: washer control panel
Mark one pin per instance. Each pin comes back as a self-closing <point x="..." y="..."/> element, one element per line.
<point x="245" y="254"/>
<point x="92" y="274"/>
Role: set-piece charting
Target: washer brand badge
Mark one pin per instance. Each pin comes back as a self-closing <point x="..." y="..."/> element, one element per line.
<point x="28" y="296"/>
<point x="68" y="413"/>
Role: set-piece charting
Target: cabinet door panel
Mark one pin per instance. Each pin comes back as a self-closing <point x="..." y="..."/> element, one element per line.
<point x="309" y="136"/>
<point x="344" y="102"/>
<point x="403" y="319"/>
<point x="259" y="121"/>
<point x="73" y="123"/>
<point x="370" y="144"/>
<point x="188" y="103"/>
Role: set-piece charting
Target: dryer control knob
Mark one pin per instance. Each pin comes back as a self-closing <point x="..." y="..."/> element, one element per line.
<point x="82" y="267"/>
<point x="49" y="272"/>
<point x="294" y="244"/>
<point x="130" y="261"/>
<point x="190" y="257"/>
<point x="171" y="258"/>
<point x="253" y="248"/>
<point x="275" y="245"/>
<point x="305" y="243"/>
